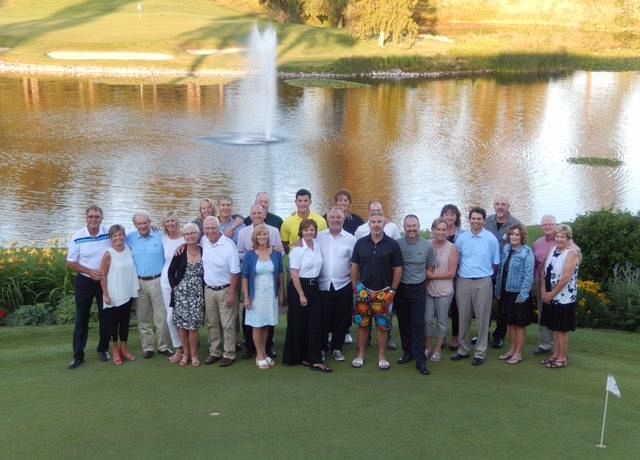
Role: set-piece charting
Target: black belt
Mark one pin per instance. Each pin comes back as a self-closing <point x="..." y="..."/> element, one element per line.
<point x="149" y="278"/>
<point x="476" y="279"/>
<point x="309" y="281"/>
<point x="413" y="284"/>
<point x="218" y="288"/>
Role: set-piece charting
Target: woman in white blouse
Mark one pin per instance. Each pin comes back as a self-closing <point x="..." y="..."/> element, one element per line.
<point x="119" y="287"/>
<point x="303" y="343"/>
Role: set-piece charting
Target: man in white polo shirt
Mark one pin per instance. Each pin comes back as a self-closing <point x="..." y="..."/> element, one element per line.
<point x="86" y="248"/>
<point x="221" y="274"/>
<point x="336" y="246"/>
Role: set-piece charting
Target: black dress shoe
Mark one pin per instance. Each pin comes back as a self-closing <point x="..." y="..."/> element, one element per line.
<point x="423" y="369"/>
<point x="226" y="362"/>
<point x="477" y="362"/>
<point x="248" y="354"/>
<point x="148" y="354"/>
<point x="75" y="363"/>
<point x="497" y="343"/>
<point x="212" y="359"/>
<point x="104" y="356"/>
<point x="458" y="357"/>
<point x="405" y="358"/>
<point x="168" y="352"/>
<point x="271" y="353"/>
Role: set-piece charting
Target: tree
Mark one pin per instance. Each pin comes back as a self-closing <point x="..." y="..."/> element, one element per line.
<point x="392" y="20"/>
<point x="321" y="11"/>
<point x="285" y="9"/>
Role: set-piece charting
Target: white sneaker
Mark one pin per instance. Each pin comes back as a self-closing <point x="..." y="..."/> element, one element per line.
<point x="436" y="356"/>
<point x="337" y="355"/>
<point x="348" y="338"/>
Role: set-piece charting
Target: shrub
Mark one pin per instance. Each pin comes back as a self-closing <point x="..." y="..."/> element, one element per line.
<point x="32" y="315"/>
<point x="607" y="239"/>
<point x="65" y="311"/>
<point x="592" y="305"/>
<point x="29" y="275"/>
<point x="623" y="289"/>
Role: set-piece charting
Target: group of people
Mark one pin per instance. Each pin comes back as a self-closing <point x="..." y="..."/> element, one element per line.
<point x="342" y="271"/>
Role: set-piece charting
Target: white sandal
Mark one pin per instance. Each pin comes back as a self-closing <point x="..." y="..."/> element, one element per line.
<point x="384" y="365"/>
<point x="263" y="364"/>
<point x="357" y="363"/>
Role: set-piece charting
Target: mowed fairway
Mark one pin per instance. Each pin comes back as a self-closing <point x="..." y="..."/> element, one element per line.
<point x="32" y="28"/>
<point x="152" y="409"/>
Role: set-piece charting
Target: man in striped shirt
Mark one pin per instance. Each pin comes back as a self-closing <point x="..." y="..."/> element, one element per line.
<point x="86" y="248"/>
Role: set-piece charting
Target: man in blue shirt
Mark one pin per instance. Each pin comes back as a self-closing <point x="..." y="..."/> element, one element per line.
<point x="479" y="256"/>
<point x="148" y="255"/>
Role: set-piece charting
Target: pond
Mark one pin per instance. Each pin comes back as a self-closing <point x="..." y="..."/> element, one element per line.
<point x="416" y="145"/>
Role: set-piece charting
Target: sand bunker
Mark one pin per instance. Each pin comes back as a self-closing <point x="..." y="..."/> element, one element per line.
<point x="109" y="56"/>
<point x="211" y="52"/>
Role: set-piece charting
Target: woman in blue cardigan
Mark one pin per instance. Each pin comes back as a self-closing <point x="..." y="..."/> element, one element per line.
<point x="513" y="290"/>
<point x="263" y="290"/>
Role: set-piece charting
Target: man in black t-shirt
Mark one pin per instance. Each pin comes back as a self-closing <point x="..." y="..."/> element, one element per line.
<point x="376" y="269"/>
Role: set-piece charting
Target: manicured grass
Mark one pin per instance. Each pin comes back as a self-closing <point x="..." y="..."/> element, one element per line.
<point x="31" y="28"/>
<point x="151" y="409"/>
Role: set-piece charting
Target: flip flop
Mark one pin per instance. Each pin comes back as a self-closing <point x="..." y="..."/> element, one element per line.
<point x="384" y="365"/>
<point x="357" y="363"/>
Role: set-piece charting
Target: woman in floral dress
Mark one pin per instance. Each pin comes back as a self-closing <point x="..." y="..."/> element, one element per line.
<point x="185" y="278"/>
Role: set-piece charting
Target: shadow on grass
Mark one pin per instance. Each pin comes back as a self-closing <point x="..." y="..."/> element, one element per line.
<point x="234" y="31"/>
<point x="22" y="32"/>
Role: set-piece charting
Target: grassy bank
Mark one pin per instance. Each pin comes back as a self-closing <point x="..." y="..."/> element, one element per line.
<point x="32" y="28"/>
<point x="151" y="409"/>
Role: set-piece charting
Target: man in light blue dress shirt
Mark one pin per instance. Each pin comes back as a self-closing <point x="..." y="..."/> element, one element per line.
<point x="479" y="255"/>
<point x="148" y="255"/>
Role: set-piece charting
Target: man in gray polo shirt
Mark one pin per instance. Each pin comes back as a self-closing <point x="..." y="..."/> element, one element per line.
<point x="411" y="296"/>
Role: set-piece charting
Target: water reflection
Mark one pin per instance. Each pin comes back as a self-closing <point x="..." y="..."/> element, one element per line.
<point x="415" y="145"/>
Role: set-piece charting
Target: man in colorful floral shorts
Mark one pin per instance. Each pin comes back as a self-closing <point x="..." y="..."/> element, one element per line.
<point x="376" y="269"/>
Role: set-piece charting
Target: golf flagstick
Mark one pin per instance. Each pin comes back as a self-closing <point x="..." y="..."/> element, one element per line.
<point x="611" y="387"/>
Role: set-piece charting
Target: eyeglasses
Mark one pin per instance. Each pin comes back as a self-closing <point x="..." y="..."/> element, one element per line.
<point x="91" y="216"/>
<point x="191" y="233"/>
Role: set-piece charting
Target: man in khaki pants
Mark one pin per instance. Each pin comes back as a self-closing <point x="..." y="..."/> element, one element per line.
<point x="221" y="273"/>
<point x="148" y="255"/>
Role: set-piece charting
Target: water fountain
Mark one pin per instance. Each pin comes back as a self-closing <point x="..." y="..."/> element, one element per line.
<point x="254" y="106"/>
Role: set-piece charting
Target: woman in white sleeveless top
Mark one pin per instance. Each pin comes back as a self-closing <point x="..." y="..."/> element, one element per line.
<point x="171" y="240"/>
<point x="119" y="287"/>
<point x="559" y="291"/>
